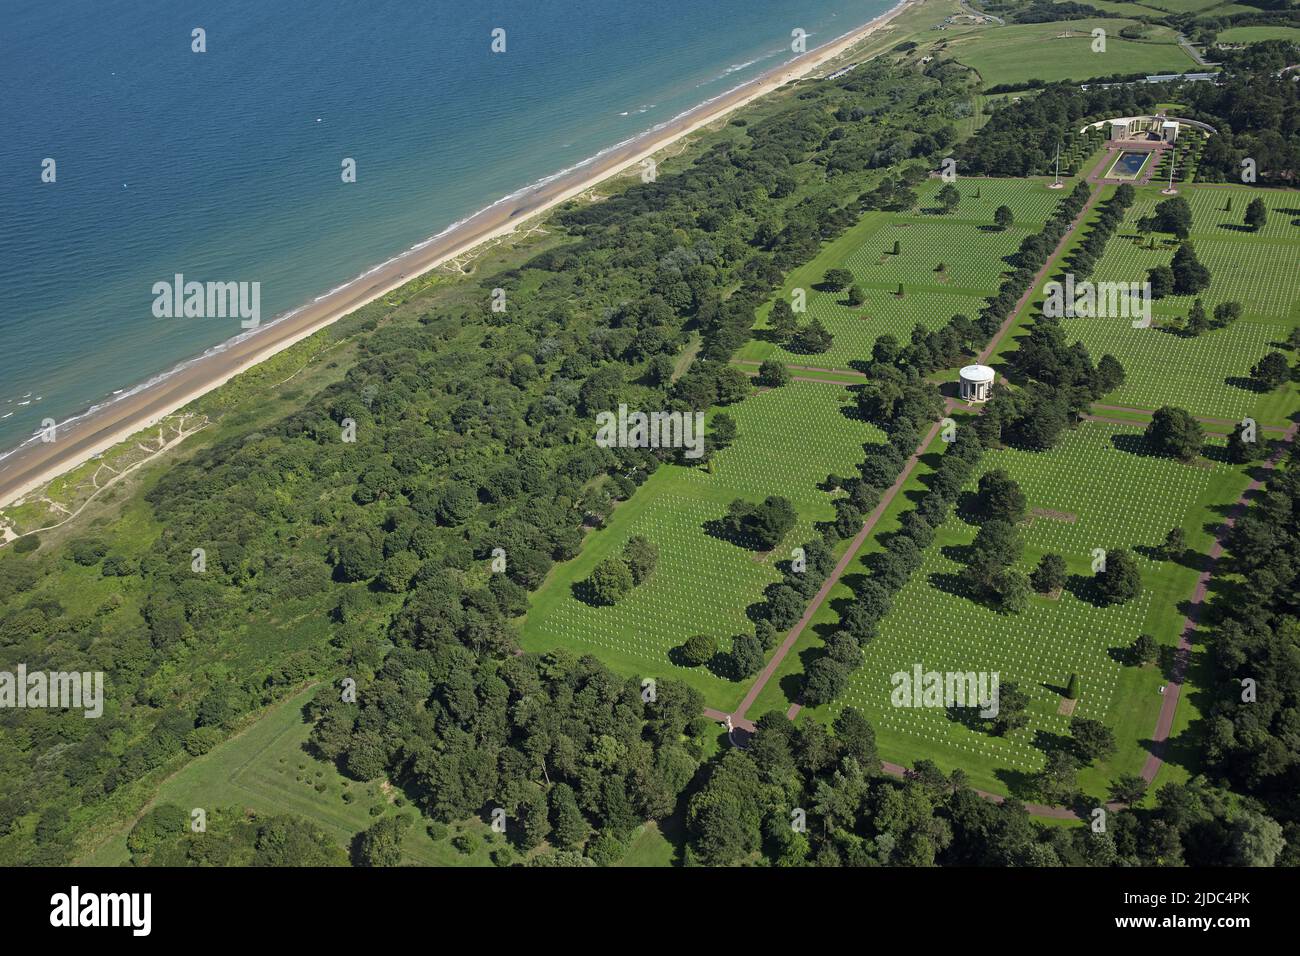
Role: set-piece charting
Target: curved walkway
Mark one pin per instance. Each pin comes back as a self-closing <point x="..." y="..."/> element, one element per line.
<point x="1165" y="722"/>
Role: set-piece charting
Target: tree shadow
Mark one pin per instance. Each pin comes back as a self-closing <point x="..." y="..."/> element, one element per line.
<point x="953" y="584"/>
<point x="968" y="717"/>
<point x="1135" y="443"/>
<point x="968" y="507"/>
<point x="1246" y="384"/>
<point x="584" y="592"/>
<point x="958" y="553"/>
<point x="1149" y="552"/>
<point x="1048" y="742"/>
<point x="1019" y="783"/>
<point x="717" y="528"/>
<point x="1053" y="688"/>
<point x="1123" y="656"/>
<point x="1083" y="588"/>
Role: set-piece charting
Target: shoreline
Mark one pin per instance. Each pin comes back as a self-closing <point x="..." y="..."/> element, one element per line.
<point x="33" y="464"/>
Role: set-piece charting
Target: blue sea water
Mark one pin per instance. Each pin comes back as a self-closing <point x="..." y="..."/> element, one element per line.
<point x="225" y="165"/>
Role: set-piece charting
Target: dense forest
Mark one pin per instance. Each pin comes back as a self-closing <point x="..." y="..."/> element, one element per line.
<point x="469" y="427"/>
<point x="367" y="563"/>
<point x="1256" y="115"/>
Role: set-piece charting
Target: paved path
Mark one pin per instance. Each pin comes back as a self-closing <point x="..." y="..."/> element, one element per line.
<point x="739" y="718"/>
<point x="833" y="578"/>
<point x="1043" y="273"/>
<point x="1173" y="690"/>
<point x="1169" y="704"/>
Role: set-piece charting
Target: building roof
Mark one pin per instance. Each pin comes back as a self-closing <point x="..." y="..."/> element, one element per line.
<point x="977" y="373"/>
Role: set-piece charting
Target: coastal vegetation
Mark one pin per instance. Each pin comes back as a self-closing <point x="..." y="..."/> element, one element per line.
<point x="409" y="598"/>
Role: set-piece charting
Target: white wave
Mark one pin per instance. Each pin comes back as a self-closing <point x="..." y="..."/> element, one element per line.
<point x="646" y="134"/>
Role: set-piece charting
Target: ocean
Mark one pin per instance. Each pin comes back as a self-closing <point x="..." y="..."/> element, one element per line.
<point x="226" y="165"/>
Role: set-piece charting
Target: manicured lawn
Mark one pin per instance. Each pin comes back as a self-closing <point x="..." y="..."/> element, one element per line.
<point x="1207" y="374"/>
<point x="948" y="263"/>
<point x="1097" y="489"/>
<point x="782" y="690"/>
<point x="266" y="769"/>
<point x="789" y="440"/>
<point x="1064" y="51"/>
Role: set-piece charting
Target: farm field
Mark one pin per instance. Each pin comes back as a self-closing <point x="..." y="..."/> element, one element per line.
<point x="973" y="255"/>
<point x="1063" y="51"/>
<point x="1257" y="34"/>
<point x="789" y="440"/>
<point x="1186" y="6"/>
<point x="1087" y="493"/>
<point x="1206" y="374"/>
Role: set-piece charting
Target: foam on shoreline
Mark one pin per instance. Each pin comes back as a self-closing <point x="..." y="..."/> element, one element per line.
<point x="692" y="119"/>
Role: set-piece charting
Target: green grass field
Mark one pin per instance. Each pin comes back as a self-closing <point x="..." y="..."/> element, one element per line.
<point x="266" y="769"/>
<point x="1206" y="374"/>
<point x="1063" y="51"/>
<point x="1257" y="34"/>
<point x="974" y="257"/>
<point x="1097" y="489"/>
<point x="789" y="440"/>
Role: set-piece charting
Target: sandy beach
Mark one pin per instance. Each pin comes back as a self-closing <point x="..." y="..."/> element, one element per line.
<point x="36" y="463"/>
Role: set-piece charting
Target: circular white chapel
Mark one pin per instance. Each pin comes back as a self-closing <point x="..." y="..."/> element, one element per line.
<point x="977" y="383"/>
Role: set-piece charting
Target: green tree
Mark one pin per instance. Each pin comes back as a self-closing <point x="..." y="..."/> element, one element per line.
<point x="569" y="827"/>
<point x="1145" y="649"/>
<point x="1256" y="840"/>
<point x="641" y="556"/>
<point x="1119" y="581"/>
<point x="1256" y="214"/>
<point x="1010" y="591"/>
<point x="773" y="374"/>
<point x="1241" y="451"/>
<point x="746" y="656"/>
<point x="949" y="197"/>
<point x="1000" y="496"/>
<point x="826" y="680"/>
<point x="812" y="339"/>
<point x="381" y="844"/>
<point x="1128" y="789"/>
<point x="1049" y="576"/>
<point x="1058" y="780"/>
<point x="997" y="545"/>
<point x="1175" y="216"/>
<point x="1190" y="276"/>
<point x="610" y="581"/>
<point x="837" y="280"/>
<point x="1013" y="704"/>
<point x="1173" y="431"/>
<point x="699" y="650"/>
<point x="1003" y="217"/>
<point x="398" y="571"/>
<point x="1175" y="544"/>
<point x="1092" y="739"/>
<point x="1161" y="279"/>
<point x="781" y="322"/>
<point x="1271" y="371"/>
